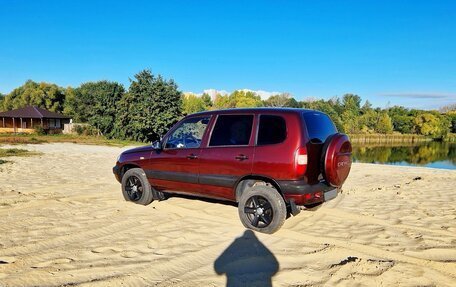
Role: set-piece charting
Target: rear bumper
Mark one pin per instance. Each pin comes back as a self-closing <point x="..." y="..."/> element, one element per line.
<point x="302" y="193"/>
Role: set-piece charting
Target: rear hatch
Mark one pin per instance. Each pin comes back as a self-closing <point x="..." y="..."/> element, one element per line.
<point x="328" y="152"/>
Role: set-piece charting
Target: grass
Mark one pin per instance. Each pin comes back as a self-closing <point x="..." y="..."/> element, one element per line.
<point x="388" y="138"/>
<point x="3" y="161"/>
<point x="79" y="139"/>
<point x="15" y="152"/>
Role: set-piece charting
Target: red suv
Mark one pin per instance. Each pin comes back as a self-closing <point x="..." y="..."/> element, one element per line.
<point x="268" y="160"/>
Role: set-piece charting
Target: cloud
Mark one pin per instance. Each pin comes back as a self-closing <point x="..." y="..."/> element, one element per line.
<point x="410" y="95"/>
<point x="263" y="94"/>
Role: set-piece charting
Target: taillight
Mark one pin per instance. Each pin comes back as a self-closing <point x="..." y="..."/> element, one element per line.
<point x="301" y="161"/>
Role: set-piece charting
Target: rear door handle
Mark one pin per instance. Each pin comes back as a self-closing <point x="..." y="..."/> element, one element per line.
<point x="241" y="157"/>
<point x="192" y="156"/>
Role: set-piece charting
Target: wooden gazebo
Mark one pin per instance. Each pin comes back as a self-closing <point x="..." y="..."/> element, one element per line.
<point x="25" y="120"/>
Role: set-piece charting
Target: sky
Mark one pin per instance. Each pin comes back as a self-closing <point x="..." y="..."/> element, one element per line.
<point x="389" y="52"/>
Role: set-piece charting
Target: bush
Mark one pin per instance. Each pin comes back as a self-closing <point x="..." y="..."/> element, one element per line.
<point x="40" y="130"/>
<point x="86" y="130"/>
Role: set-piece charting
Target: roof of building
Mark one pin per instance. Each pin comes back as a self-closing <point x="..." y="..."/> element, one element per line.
<point x="32" y="112"/>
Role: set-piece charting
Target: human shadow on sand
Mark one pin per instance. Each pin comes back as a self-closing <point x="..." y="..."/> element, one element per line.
<point x="247" y="262"/>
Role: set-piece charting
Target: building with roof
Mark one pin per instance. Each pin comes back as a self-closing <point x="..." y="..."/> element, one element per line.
<point x="26" y="120"/>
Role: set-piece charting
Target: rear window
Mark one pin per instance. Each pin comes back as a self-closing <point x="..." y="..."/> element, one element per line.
<point x="272" y="130"/>
<point x="319" y="126"/>
<point x="232" y="130"/>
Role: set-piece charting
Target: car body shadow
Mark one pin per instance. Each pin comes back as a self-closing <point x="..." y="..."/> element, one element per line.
<point x="201" y="198"/>
<point x="247" y="262"/>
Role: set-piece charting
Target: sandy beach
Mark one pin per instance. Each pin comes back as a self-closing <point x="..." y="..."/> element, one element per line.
<point x="63" y="221"/>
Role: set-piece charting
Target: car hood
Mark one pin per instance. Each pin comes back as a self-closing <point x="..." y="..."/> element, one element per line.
<point x="139" y="149"/>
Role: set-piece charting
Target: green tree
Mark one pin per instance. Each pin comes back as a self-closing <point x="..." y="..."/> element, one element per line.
<point x="245" y="99"/>
<point x="151" y="106"/>
<point x="2" y="97"/>
<point x="368" y="121"/>
<point x="451" y="116"/>
<point x="44" y="95"/>
<point x="402" y="119"/>
<point x="292" y="103"/>
<point x="350" y="122"/>
<point x="279" y="100"/>
<point x="430" y="124"/>
<point x="95" y="103"/>
<point x="70" y="106"/>
<point x="207" y="101"/>
<point x="384" y="124"/>
<point x="351" y="103"/>
<point x="350" y="108"/>
<point x="191" y="103"/>
<point x="222" y="102"/>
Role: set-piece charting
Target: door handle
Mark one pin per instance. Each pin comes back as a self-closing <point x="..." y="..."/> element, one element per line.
<point x="192" y="156"/>
<point x="241" y="157"/>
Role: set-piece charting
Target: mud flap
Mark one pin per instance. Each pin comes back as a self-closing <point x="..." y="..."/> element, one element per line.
<point x="294" y="208"/>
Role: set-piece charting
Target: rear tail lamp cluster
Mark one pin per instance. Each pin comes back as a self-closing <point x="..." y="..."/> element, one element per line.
<point x="301" y="160"/>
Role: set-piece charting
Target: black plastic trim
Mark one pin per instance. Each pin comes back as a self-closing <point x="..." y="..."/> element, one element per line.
<point x="173" y="176"/>
<point x="116" y="172"/>
<point x="218" y="180"/>
<point x="207" y="179"/>
<point x="302" y="187"/>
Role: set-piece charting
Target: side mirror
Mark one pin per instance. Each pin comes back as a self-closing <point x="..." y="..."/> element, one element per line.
<point x="157" y="145"/>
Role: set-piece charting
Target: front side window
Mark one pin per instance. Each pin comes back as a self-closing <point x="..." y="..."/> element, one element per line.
<point x="189" y="133"/>
<point x="232" y="130"/>
<point x="272" y="130"/>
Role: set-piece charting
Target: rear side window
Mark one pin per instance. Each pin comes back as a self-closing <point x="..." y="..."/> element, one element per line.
<point x="319" y="126"/>
<point x="272" y="130"/>
<point x="232" y="130"/>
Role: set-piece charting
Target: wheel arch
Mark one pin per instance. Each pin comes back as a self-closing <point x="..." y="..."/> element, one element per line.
<point x="126" y="167"/>
<point x="248" y="181"/>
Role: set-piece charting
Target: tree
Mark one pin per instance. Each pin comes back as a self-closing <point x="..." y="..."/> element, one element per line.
<point x="98" y="101"/>
<point x="430" y="124"/>
<point x="351" y="103"/>
<point x="44" y="95"/>
<point x="350" y="122"/>
<point x="368" y="121"/>
<point x="402" y="119"/>
<point x="448" y="108"/>
<point x="191" y="103"/>
<point x="151" y="106"/>
<point x="384" y="124"/>
<point x="280" y="100"/>
<point x="350" y="111"/>
<point x="222" y="102"/>
<point x="245" y="99"/>
<point x="70" y="106"/>
<point x="207" y="100"/>
<point x="2" y="97"/>
<point x="292" y="103"/>
<point x="451" y="116"/>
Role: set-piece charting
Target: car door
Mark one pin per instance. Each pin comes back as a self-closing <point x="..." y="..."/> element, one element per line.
<point x="228" y="155"/>
<point x="175" y="167"/>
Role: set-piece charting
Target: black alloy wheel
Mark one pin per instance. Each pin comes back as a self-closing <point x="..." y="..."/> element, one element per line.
<point x="259" y="211"/>
<point x="134" y="188"/>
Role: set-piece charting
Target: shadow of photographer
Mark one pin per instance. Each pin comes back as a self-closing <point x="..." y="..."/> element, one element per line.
<point x="247" y="262"/>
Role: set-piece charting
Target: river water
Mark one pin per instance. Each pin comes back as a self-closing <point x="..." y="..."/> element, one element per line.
<point x="430" y="154"/>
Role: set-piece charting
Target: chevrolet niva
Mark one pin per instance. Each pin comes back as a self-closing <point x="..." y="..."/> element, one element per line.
<point x="270" y="161"/>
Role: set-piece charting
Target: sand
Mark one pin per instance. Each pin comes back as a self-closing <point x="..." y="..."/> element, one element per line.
<point x="63" y="221"/>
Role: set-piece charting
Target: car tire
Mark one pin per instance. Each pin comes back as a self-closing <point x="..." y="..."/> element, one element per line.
<point x="136" y="187"/>
<point x="262" y="208"/>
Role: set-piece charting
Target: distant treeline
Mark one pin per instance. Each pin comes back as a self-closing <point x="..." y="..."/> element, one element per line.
<point x="152" y="104"/>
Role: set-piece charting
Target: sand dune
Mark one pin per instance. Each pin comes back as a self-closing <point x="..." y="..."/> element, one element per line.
<point x="63" y="221"/>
